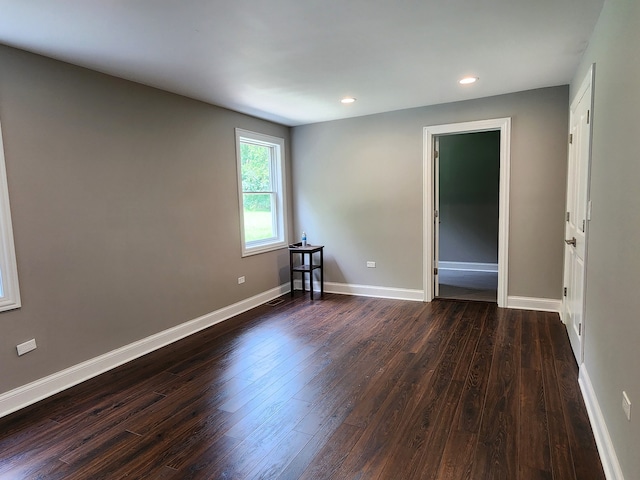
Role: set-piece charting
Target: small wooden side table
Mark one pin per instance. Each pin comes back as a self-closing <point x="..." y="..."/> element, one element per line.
<point x="303" y="268"/>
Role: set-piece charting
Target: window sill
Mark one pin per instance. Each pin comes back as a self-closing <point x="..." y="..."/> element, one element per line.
<point x="247" y="252"/>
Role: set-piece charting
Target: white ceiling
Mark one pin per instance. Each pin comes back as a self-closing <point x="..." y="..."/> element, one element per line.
<point x="291" y="61"/>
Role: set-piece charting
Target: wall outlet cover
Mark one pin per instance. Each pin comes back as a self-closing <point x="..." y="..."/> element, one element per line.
<point x="26" y="346"/>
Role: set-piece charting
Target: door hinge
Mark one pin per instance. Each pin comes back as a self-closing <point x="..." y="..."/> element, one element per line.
<point x="436" y="214"/>
<point x="564" y="292"/>
<point x="588" y="115"/>
<point x="435" y="271"/>
<point x="579" y="329"/>
<point x="567" y="216"/>
<point x="436" y="154"/>
<point x="571" y="138"/>
<point x="583" y="226"/>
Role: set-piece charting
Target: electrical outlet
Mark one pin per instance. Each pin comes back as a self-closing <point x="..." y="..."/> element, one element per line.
<point x="241" y="280"/>
<point x="626" y="405"/>
<point x="371" y="264"/>
<point x="26" y="346"/>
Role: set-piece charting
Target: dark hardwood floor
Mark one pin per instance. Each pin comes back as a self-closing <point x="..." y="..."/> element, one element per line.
<point x="343" y="388"/>
<point x="468" y="285"/>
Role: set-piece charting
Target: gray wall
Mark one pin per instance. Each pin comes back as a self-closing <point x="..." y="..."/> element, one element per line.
<point x="469" y="193"/>
<point x="358" y="190"/>
<point x="612" y="322"/>
<point x="125" y="213"/>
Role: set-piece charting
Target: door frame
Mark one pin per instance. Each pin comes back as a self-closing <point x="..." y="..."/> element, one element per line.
<point x="428" y="188"/>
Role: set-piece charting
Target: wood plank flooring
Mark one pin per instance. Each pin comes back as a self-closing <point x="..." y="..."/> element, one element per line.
<point x="338" y="388"/>
<point x="468" y="285"/>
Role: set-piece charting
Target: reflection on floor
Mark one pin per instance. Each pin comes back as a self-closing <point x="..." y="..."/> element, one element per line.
<point x="468" y="285"/>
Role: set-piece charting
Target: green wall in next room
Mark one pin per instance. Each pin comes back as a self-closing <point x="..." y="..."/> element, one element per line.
<point x="469" y="173"/>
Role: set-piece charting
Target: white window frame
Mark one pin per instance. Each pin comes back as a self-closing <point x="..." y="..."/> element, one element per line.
<point x="9" y="288"/>
<point x="278" y="177"/>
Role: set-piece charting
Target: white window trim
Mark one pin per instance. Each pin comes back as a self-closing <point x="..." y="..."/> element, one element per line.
<point x="281" y="189"/>
<point x="8" y="266"/>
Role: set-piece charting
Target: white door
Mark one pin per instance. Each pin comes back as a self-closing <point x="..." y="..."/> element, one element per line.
<point x="436" y="216"/>
<point x="577" y="216"/>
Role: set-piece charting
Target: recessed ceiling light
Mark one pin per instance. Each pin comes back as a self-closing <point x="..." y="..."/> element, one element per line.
<point x="348" y="100"/>
<point x="468" y="80"/>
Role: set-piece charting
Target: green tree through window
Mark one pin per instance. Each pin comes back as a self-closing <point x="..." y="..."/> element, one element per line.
<point x="262" y="207"/>
<point x="257" y="191"/>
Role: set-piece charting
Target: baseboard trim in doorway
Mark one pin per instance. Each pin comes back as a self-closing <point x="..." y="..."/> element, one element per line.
<point x="45" y="387"/>
<point x="374" y="291"/>
<point x="520" y="303"/>
<point x="469" y="266"/>
<point x="608" y="456"/>
<point x="531" y="303"/>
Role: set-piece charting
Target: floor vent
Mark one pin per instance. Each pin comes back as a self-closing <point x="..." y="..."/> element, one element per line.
<point x="274" y="302"/>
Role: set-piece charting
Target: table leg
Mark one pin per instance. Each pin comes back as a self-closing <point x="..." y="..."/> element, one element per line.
<point x="302" y="274"/>
<point x="291" y="270"/>
<point x="311" y="276"/>
<point x="321" y="274"/>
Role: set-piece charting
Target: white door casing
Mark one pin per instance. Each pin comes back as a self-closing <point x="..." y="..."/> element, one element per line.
<point x="577" y="221"/>
<point x="429" y="184"/>
<point x="436" y="216"/>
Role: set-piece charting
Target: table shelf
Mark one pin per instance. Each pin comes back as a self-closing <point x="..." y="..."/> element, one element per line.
<point x="305" y="268"/>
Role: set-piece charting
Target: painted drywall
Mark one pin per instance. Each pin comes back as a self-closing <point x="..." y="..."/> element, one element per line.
<point x="469" y="172"/>
<point x="612" y="319"/>
<point x="357" y="187"/>
<point x="125" y="213"/>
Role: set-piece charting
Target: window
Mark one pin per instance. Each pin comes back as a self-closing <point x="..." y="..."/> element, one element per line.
<point x="9" y="291"/>
<point x="261" y="182"/>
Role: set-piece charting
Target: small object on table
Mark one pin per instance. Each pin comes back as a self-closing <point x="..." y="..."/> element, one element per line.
<point x="302" y="250"/>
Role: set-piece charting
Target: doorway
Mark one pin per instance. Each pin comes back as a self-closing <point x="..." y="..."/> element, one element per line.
<point x="467" y="191"/>
<point x="430" y="225"/>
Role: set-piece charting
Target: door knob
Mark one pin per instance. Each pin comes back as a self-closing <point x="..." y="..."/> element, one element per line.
<point x="571" y="242"/>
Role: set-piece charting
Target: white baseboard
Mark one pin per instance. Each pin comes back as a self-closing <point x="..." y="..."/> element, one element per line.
<point x="33" y="392"/>
<point x="374" y="291"/>
<point x="521" y="303"/>
<point x="469" y="266"/>
<point x="531" y="303"/>
<point x="607" y="453"/>
<point x="364" y="290"/>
